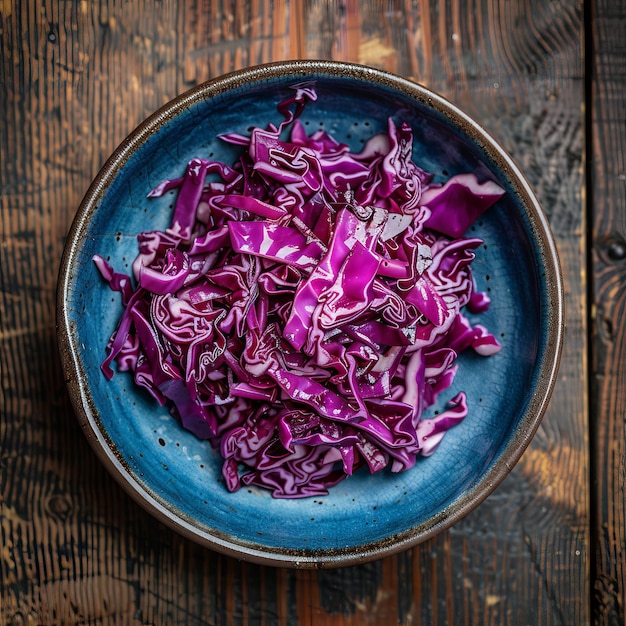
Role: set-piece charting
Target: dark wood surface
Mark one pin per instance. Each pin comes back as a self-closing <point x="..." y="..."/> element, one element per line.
<point x="547" y="78"/>
<point x="606" y="216"/>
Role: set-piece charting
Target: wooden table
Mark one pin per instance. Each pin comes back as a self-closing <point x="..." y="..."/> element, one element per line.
<point x="547" y="78"/>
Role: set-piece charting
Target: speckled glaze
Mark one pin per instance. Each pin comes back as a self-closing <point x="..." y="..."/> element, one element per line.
<point x="177" y="477"/>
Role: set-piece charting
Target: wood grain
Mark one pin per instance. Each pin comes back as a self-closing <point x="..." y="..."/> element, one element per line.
<point x="607" y="174"/>
<point x="75" y="79"/>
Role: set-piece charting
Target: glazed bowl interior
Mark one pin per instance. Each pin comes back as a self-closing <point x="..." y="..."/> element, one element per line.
<point x="178" y="477"/>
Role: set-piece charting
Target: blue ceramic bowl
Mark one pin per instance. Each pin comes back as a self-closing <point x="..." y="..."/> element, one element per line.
<point x="177" y="477"/>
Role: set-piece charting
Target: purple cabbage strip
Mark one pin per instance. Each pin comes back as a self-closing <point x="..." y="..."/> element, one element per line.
<point x="303" y="312"/>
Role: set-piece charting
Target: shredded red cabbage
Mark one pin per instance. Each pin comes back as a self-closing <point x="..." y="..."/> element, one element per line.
<point x="305" y="310"/>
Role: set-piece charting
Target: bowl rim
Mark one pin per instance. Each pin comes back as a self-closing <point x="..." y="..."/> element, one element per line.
<point x="546" y="371"/>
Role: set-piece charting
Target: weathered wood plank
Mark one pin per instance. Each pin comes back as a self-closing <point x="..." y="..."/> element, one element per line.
<point x="607" y="173"/>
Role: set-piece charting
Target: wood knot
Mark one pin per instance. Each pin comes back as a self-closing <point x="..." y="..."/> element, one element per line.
<point x="59" y="506"/>
<point x="616" y="250"/>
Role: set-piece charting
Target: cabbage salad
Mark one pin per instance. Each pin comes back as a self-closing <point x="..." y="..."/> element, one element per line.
<point x="307" y="304"/>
